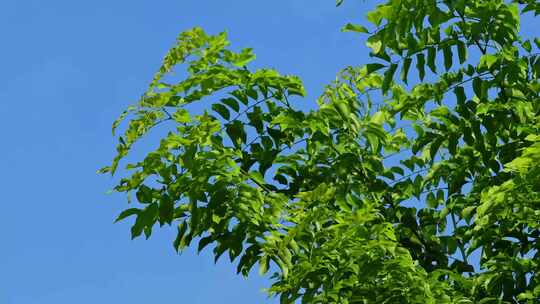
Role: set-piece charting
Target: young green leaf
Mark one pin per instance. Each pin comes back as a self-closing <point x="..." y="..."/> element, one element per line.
<point x="349" y="27"/>
<point x="375" y="43"/>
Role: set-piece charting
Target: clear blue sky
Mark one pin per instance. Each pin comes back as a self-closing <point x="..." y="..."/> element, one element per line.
<point x="68" y="68"/>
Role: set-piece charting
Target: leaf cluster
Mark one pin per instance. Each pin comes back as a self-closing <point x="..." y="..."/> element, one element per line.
<point x="410" y="167"/>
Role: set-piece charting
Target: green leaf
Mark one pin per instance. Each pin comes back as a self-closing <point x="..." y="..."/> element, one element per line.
<point x="236" y="132"/>
<point x="447" y="53"/>
<point x="126" y="213"/>
<point x="349" y="27"/>
<point x="232" y="103"/>
<point x="144" y="194"/>
<point x="375" y="136"/>
<point x="179" y="243"/>
<point x="252" y="93"/>
<point x="526" y="296"/>
<point x="378" y="117"/>
<point x="255" y="118"/>
<point x="263" y="264"/>
<point x="420" y="65"/>
<point x="451" y="244"/>
<point x="373" y="141"/>
<point x="405" y="69"/>
<point x="467" y="136"/>
<point x="375" y="44"/>
<point x="240" y="95"/>
<point x="181" y="116"/>
<point x="203" y="242"/>
<point x="280" y="178"/>
<point x="467" y="213"/>
<point x="343" y="109"/>
<point x="527" y="45"/>
<point x="432" y="200"/>
<point x="462" y="51"/>
<point x="432" y="52"/>
<point x="166" y="211"/>
<point x="103" y="170"/>
<point x="462" y="267"/>
<point x="375" y="17"/>
<point x="245" y="57"/>
<point x="477" y="87"/>
<point x="453" y="143"/>
<point x="488" y="60"/>
<point x="460" y="95"/>
<point x="373" y="67"/>
<point x="257" y="176"/>
<point x="388" y="77"/>
<point x="221" y="110"/>
<point x="435" y="145"/>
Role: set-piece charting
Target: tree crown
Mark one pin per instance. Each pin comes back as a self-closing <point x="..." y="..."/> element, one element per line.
<point x="409" y="166"/>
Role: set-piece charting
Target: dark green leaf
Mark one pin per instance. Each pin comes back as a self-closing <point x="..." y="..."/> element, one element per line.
<point x="221" y="110"/>
<point x="462" y="51"/>
<point x="432" y="52"/>
<point x="236" y="132"/>
<point x="388" y="77"/>
<point x="477" y="87"/>
<point x="447" y="53"/>
<point x="460" y="95"/>
<point x="203" y="242"/>
<point x="373" y="67"/>
<point x="127" y="213"/>
<point x="232" y="103"/>
<point x="420" y="65"/>
<point x="405" y="69"/>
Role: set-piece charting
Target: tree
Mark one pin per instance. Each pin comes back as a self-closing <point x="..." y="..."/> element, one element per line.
<point x="383" y="193"/>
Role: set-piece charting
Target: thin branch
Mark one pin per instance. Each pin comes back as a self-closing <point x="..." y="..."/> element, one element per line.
<point x="432" y="190"/>
<point x="167" y="112"/>
<point x="293" y="144"/>
<point x="483" y="50"/>
<point x="465" y="81"/>
<point x="408" y="175"/>
<point x="245" y="110"/>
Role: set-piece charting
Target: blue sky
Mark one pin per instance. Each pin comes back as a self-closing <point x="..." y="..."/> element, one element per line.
<point x="68" y="68"/>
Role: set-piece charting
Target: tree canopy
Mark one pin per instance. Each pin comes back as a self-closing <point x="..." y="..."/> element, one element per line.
<point x="410" y="165"/>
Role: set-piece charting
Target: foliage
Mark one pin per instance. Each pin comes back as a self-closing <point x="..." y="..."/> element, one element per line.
<point x="386" y="192"/>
